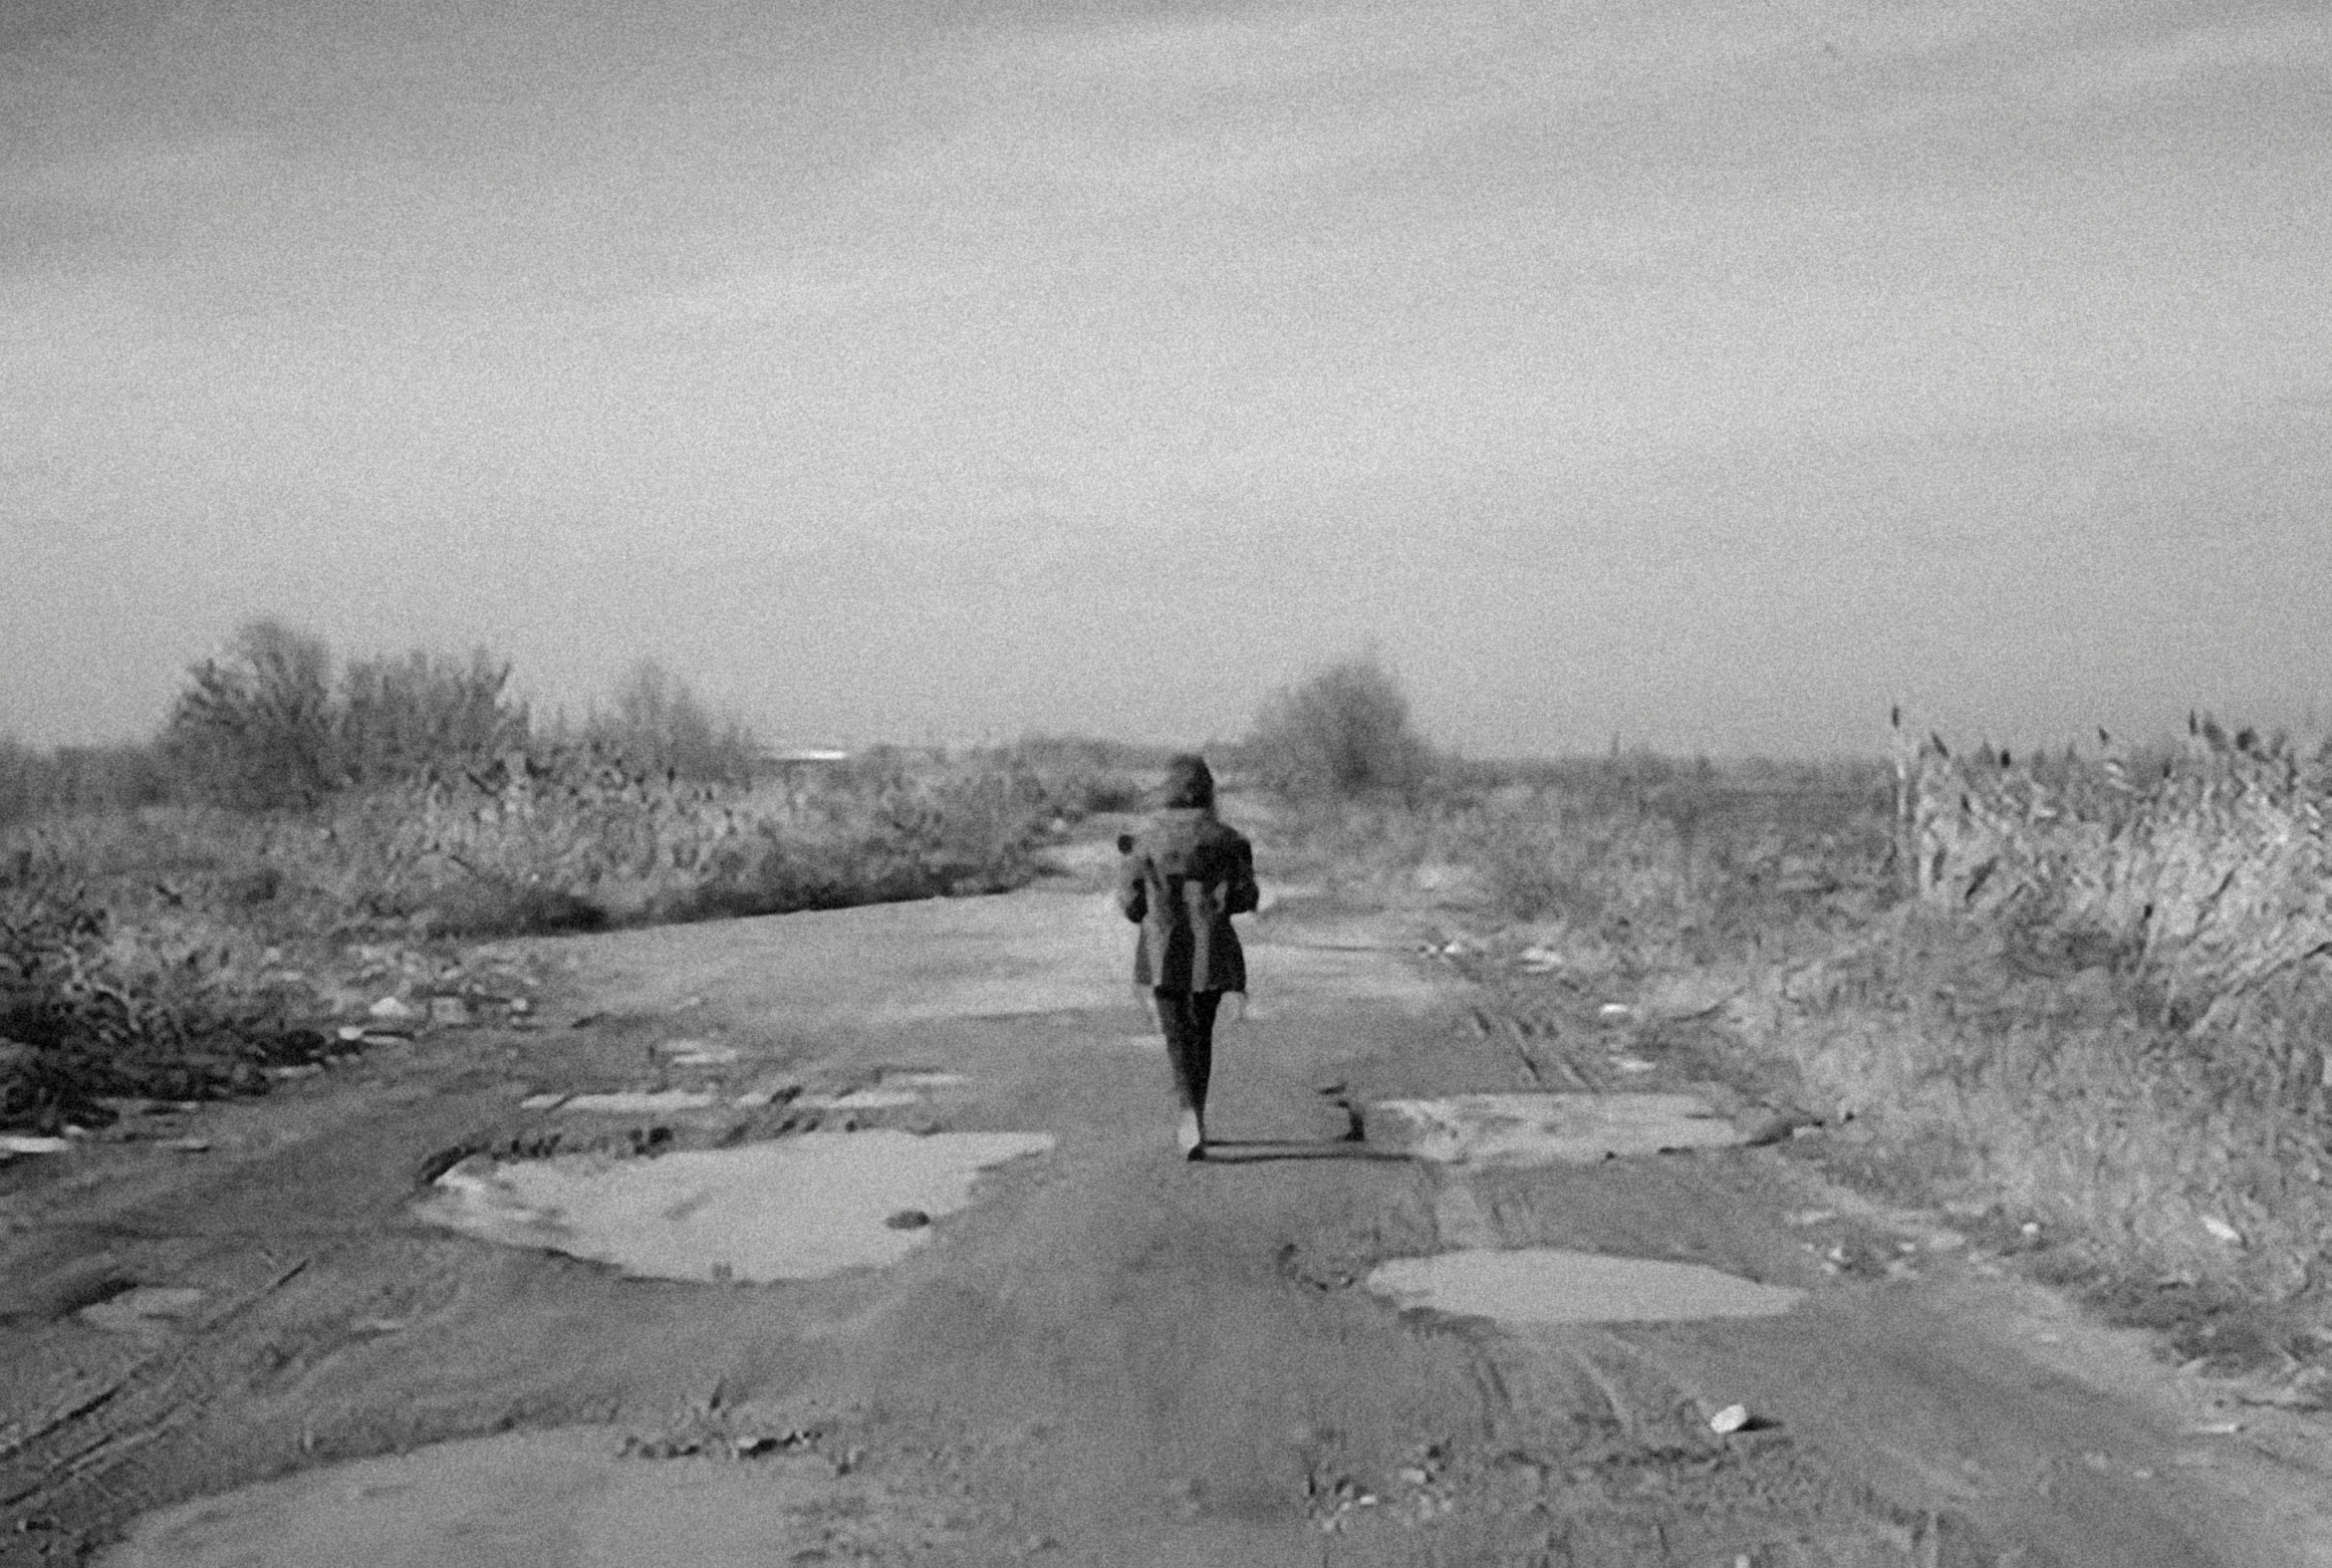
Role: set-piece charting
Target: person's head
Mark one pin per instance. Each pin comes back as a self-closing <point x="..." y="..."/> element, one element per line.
<point x="1188" y="783"/>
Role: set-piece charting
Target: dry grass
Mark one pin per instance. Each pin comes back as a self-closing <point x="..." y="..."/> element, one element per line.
<point x="1626" y="865"/>
<point x="2108" y="1005"/>
<point x="178" y="951"/>
<point x="2088" y="989"/>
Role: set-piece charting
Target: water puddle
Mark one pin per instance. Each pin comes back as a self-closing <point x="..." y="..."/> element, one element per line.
<point x="1552" y="1285"/>
<point x="1546" y="1129"/>
<point x="793" y="1208"/>
<point x="565" y="1497"/>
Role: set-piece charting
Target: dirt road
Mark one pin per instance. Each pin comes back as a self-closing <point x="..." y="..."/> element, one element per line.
<point x="1105" y="1355"/>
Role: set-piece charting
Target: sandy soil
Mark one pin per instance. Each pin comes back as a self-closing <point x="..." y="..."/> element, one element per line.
<point x="266" y="1352"/>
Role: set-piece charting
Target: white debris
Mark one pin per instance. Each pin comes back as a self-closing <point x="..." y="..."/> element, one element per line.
<point x="859" y="1100"/>
<point x="640" y="1103"/>
<point x="762" y="1094"/>
<point x="2222" y="1230"/>
<point x="390" y="1010"/>
<point x="32" y="1144"/>
<point x="1730" y="1419"/>
<point x="1546" y="1129"/>
<point x="721" y="1056"/>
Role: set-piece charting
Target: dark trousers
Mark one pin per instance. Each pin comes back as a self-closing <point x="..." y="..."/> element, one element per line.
<point x="1188" y="1017"/>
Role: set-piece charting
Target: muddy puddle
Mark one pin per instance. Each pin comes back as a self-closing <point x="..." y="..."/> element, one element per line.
<point x="1554" y="1285"/>
<point x="569" y="1497"/>
<point x="1546" y="1129"/>
<point x="792" y="1208"/>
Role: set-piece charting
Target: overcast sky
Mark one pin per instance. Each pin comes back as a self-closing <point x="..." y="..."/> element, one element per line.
<point x="1709" y="374"/>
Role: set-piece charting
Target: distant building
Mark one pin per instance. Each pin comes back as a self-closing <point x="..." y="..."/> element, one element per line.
<point x="795" y="762"/>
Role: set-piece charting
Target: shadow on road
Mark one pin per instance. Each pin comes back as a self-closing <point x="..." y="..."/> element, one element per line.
<point x="1254" y="1151"/>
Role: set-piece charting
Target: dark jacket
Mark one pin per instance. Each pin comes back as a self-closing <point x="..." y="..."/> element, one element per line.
<point x="1184" y="878"/>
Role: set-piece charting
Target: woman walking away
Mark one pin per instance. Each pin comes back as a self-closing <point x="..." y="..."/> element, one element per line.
<point x="1182" y="879"/>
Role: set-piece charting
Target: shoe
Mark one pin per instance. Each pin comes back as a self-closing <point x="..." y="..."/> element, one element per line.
<point x="1190" y="1137"/>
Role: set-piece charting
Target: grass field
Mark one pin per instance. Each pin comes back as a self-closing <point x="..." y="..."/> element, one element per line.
<point x="183" y="950"/>
<point x="2085" y="992"/>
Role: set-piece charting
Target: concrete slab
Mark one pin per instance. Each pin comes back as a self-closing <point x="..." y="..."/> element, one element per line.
<point x="1554" y="1285"/>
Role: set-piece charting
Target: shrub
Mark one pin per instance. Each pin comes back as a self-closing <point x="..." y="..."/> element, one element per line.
<point x="1344" y="733"/>
<point x="1081" y="777"/>
<point x="400" y="718"/>
<point x="657" y="725"/>
<point x="266" y="724"/>
<point x="254" y="728"/>
<point x="147" y="1001"/>
<point x="78" y="779"/>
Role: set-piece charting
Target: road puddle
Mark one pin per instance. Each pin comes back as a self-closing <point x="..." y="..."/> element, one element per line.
<point x="566" y="1498"/>
<point x="1546" y="1129"/>
<point x="1553" y="1286"/>
<point x="793" y="1208"/>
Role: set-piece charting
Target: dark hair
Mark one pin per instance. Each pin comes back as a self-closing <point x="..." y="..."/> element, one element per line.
<point x="1188" y="783"/>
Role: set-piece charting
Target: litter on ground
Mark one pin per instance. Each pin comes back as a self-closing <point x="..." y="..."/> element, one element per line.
<point x="1546" y="1129"/>
<point x="859" y="1100"/>
<point x="640" y="1103"/>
